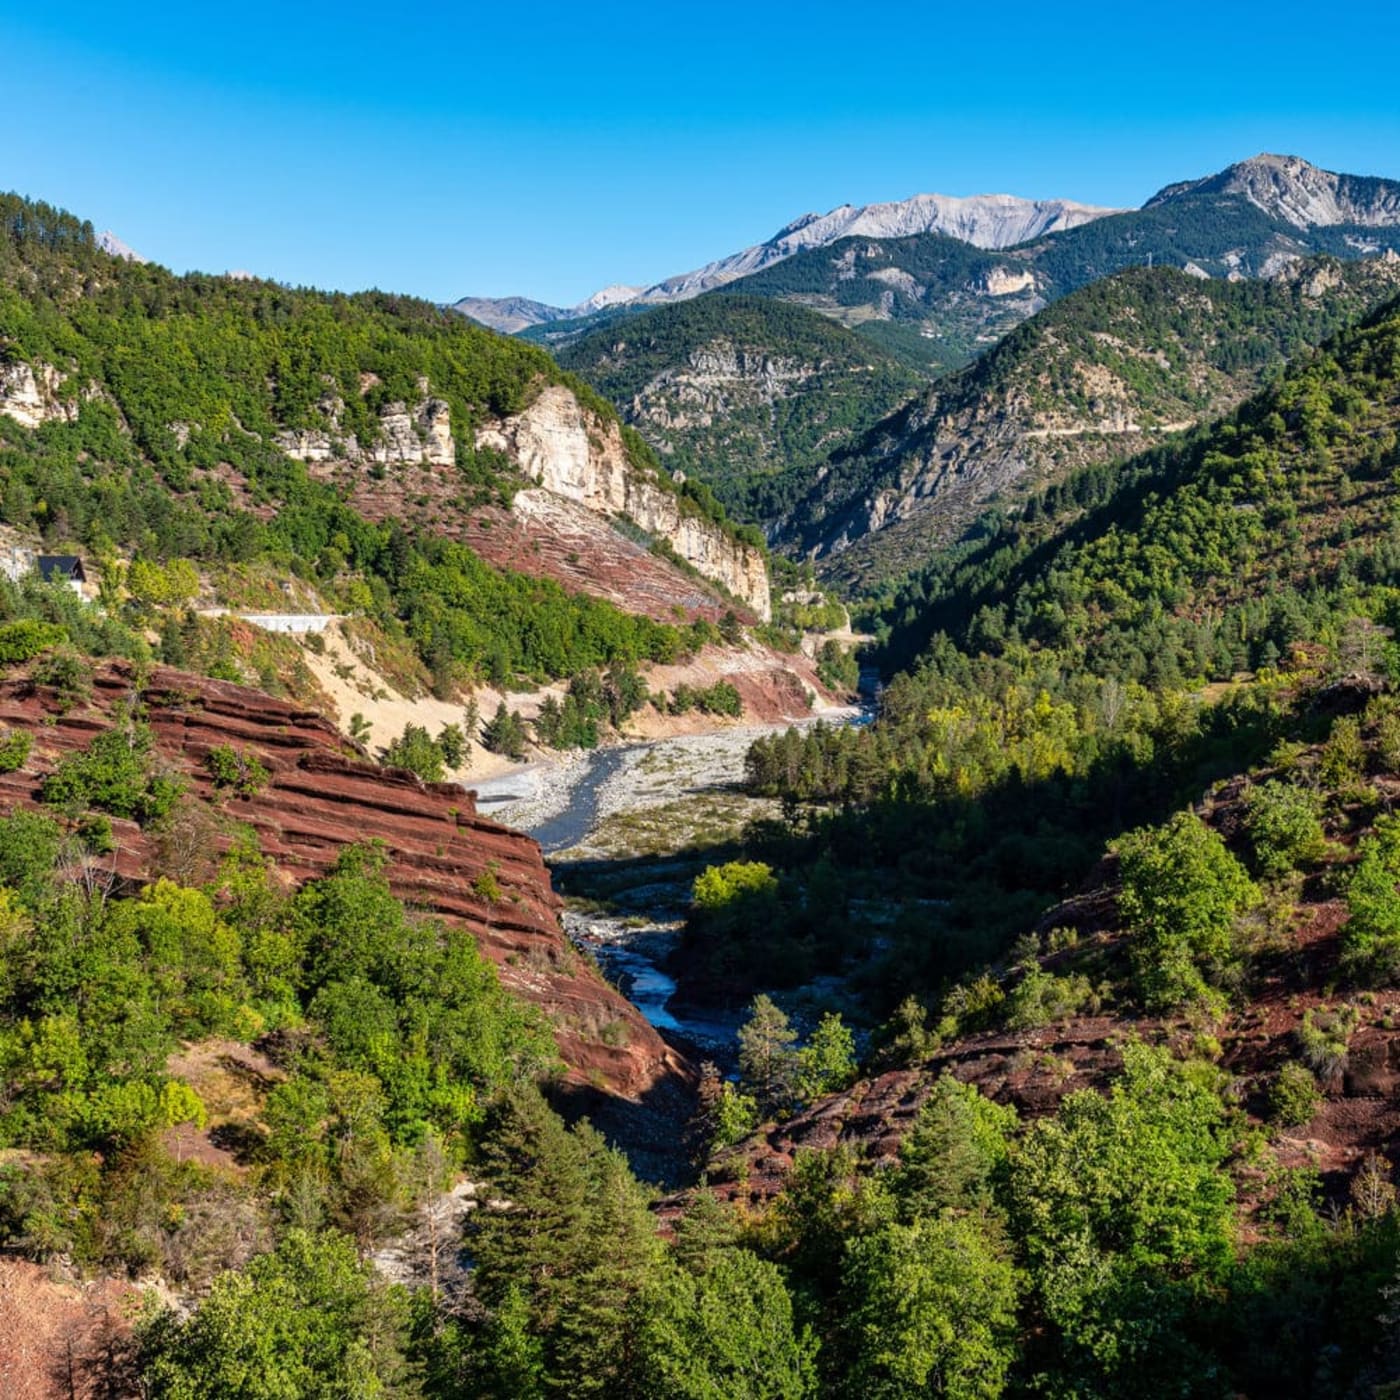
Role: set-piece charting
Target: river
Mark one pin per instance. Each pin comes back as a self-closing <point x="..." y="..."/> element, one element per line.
<point x="633" y="805"/>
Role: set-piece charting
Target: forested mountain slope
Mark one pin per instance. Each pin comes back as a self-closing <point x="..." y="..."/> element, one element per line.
<point x="1123" y="829"/>
<point x="207" y="418"/>
<point x="734" y="390"/>
<point x="1074" y="671"/>
<point x="1087" y="380"/>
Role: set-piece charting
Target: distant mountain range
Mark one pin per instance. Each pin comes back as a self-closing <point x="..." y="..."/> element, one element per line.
<point x="1011" y="255"/>
<point x="511" y="315"/>
<point x="984" y="220"/>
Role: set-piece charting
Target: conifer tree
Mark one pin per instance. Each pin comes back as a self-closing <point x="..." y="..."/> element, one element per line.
<point x="767" y="1061"/>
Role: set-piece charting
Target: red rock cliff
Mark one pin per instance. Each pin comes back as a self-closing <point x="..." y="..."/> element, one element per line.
<point x="322" y="795"/>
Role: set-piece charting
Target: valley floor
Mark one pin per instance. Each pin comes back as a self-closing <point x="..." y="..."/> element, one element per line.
<point x="658" y="796"/>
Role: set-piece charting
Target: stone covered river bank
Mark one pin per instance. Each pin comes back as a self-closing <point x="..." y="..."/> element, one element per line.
<point x="625" y="829"/>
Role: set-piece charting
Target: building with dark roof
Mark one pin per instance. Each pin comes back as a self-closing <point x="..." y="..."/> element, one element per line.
<point x="62" y="568"/>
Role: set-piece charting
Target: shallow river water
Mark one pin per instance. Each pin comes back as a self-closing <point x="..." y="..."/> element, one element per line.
<point x="562" y="807"/>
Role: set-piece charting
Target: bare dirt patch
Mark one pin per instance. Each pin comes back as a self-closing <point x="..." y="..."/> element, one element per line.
<point x="59" y="1337"/>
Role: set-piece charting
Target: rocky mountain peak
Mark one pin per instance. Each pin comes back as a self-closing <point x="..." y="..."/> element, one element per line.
<point x="1296" y="192"/>
<point x="984" y="220"/>
<point x="110" y="243"/>
<point x="615" y="294"/>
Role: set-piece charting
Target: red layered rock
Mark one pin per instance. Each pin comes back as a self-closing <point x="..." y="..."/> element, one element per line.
<point x="322" y="794"/>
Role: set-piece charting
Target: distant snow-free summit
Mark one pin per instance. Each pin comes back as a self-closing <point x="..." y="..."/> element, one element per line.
<point x="1292" y="190"/>
<point x="110" y="243"/>
<point x="984" y="220"/>
<point x="1295" y="194"/>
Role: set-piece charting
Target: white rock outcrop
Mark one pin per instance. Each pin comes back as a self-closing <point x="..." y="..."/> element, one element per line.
<point x="421" y="436"/>
<point x="564" y="449"/>
<point x="29" y="395"/>
<point x="425" y="435"/>
<point x="1006" y="281"/>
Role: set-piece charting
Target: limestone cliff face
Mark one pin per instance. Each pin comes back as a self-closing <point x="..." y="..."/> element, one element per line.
<point x="320" y="796"/>
<point x="29" y="395"/>
<point x="422" y="434"/>
<point x="572" y="454"/>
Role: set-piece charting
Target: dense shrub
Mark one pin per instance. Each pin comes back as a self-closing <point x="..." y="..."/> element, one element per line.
<point x="117" y="774"/>
<point x="1324" y="1037"/>
<point x="26" y="639"/>
<point x="1371" y="935"/>
<point x="14" y="749"/>
<point x="718" y="886"/>
<point x="1284" y="827"/>
<point x="1293" y="1095"/>
<point x="1181" y="894"/>
<point x="416" y="750"/>
<point x="240" y="772"/>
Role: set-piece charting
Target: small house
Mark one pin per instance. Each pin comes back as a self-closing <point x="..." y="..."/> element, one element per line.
<point x="62" y="568"/>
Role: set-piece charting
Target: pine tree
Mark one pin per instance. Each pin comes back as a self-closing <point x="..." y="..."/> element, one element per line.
<point x="958" y="1140"/>
<point x="595" y="1349"/>
<point x="511" y="1357"/>
<point x="767" y="1062"/>
<point x="504" y="733"/>
<point x="574" y="1238"/>
<point x="537" y="1237"/>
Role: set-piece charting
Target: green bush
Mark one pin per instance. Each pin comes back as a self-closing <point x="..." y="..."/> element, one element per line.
<point x="25" y="639"/>
<point x="95" y="832"/>
<point x="1284" y="827"/>
<point x="837" y="667"/>
<point x="719" y="699"/>
<point x="114" y="774"/>
<point x="1344" y="755"/>
<point x="416" y="750"/>
<point x="1040" y="998"/>
<point x="718" y="886"/>
<point x="14" y="749"/>
<point x="67" y="672"/>
<point x="722" y="698"/>
<point x="1324" y="1037"/>
<point x="309" y="1319"/>
<point x="1293" y="1096"/>
<point x="1371" y="935"/>
<point x="243" y="773"/>
<point x="1181" y="894"/>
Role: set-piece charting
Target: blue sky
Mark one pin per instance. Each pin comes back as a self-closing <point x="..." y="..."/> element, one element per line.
<point x="548" y="150"/>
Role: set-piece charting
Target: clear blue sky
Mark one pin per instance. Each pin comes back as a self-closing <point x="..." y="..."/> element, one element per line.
<point x="517" y="147"/>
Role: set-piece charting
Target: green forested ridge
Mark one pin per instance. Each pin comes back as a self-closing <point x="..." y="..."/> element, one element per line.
<point x="1080" y="382"/>
<point x="735" y="389"/>
<point x="1054" y="673"/>
<point x="1283" y="505"/>
<point x="226" y="364"/>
